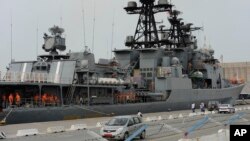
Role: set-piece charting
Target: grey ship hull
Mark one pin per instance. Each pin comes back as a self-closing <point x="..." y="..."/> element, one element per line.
<point x="178" y="100"/>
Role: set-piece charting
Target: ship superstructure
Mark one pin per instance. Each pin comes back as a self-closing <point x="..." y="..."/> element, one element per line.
<point x="161" y="69"/>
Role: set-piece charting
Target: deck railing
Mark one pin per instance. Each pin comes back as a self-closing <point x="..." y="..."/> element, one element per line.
<point x="34" y="78"/>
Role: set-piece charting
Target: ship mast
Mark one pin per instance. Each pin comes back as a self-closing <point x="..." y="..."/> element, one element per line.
<point x="146" y="33"/>
<point x="179" y="34"/>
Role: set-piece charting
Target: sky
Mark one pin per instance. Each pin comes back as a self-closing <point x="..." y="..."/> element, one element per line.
<point x="226" y="26"/>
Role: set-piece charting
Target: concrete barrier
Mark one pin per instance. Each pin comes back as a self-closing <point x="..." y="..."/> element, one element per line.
<point x="27" y="132"/>
<point x="192" y="114"/>
<point x="180" y="116"/>
<point x="170" y="117"/>
<point x="2" y="135"/>
<point x="175" y="116"/>
<point x="222" y="135"/>
<point x="147" y="119"/>
<point x="207" y="112"/>
<point x="159" y="118"/>
<point x="150" y="119"/>
<point x="154" y="118"/>
<point x="55" y="129"/>
<point x="78" y="127"/>
<point x="101" y="124"/>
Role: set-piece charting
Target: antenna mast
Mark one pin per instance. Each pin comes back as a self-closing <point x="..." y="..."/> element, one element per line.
<point x="60" y="13"/>
<point x="11" y="36"/>
<point x="112" y="36"/>
<point x="37" y="38"/>
<point x="93" y="35"/>
<point x="83" y="20"/>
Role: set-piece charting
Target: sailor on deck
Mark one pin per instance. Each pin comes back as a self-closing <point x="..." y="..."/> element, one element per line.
<point x="193" y="107"/>
<point x="11" y="99"/>
<point x="18" y="99"/>
<point x="139" y="114"/>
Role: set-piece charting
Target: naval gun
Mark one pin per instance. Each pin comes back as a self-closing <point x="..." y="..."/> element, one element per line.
<point x="55" y="41"/>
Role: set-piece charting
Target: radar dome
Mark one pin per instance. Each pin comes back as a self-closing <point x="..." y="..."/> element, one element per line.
<point x="132" y="4"/>
<point x="162" y="2"/>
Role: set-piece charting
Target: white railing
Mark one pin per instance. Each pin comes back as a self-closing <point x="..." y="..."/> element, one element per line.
<point x="34" y="78"/>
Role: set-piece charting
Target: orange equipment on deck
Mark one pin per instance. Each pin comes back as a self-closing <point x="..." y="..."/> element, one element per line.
<point x="44" y="99"/>
<point x="18" y="99"/>
<point x="125" y="97"/>
<point x="11" y="99"/>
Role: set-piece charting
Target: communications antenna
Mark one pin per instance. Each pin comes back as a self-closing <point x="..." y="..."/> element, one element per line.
<point x="93" y="34"/>
<point x="11" y="30"/>
<point x="83" y="21"/>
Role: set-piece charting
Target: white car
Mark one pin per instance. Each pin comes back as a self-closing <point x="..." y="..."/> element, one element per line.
<point x="121" y="127"/>
<point x="226" y="108"/>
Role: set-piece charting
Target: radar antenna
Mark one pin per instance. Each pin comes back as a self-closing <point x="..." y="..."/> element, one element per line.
<point x="179" y="34"/>
<point x="55" y="41"/>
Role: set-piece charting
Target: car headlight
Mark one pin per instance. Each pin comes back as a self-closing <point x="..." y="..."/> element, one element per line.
<point x="119" y="130"/>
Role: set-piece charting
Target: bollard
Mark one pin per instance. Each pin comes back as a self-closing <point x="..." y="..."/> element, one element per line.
<point x="2" y="135"/>
<point x="101" y="124"/>
<point x="78" y="127"/>
<point x="27" y="132"/>
<point x="170" y="117"/>
<point x="180" y="116"/>
<point x="159" y="118"/>
<point x="55" y="129"/>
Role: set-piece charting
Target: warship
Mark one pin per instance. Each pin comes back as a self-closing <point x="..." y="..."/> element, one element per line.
<point x="160" y="69"/>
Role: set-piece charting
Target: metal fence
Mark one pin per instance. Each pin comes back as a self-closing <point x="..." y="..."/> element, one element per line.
<point x="34" y="78"/>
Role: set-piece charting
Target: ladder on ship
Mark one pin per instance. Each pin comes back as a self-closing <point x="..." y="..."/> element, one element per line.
<point x="70" y="93"/>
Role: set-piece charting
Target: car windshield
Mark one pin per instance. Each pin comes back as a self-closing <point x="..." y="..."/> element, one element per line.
<point x="117" y="122"/>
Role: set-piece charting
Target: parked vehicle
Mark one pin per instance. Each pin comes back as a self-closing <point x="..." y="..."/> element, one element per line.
<point x="213" y="105"/>
<point x="226" y="108"/>
<point x="121" y="127"/>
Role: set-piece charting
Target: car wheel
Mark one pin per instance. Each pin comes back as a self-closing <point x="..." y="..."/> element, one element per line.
<point x="125" y="136"/>
<point x="143" y="135"/>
